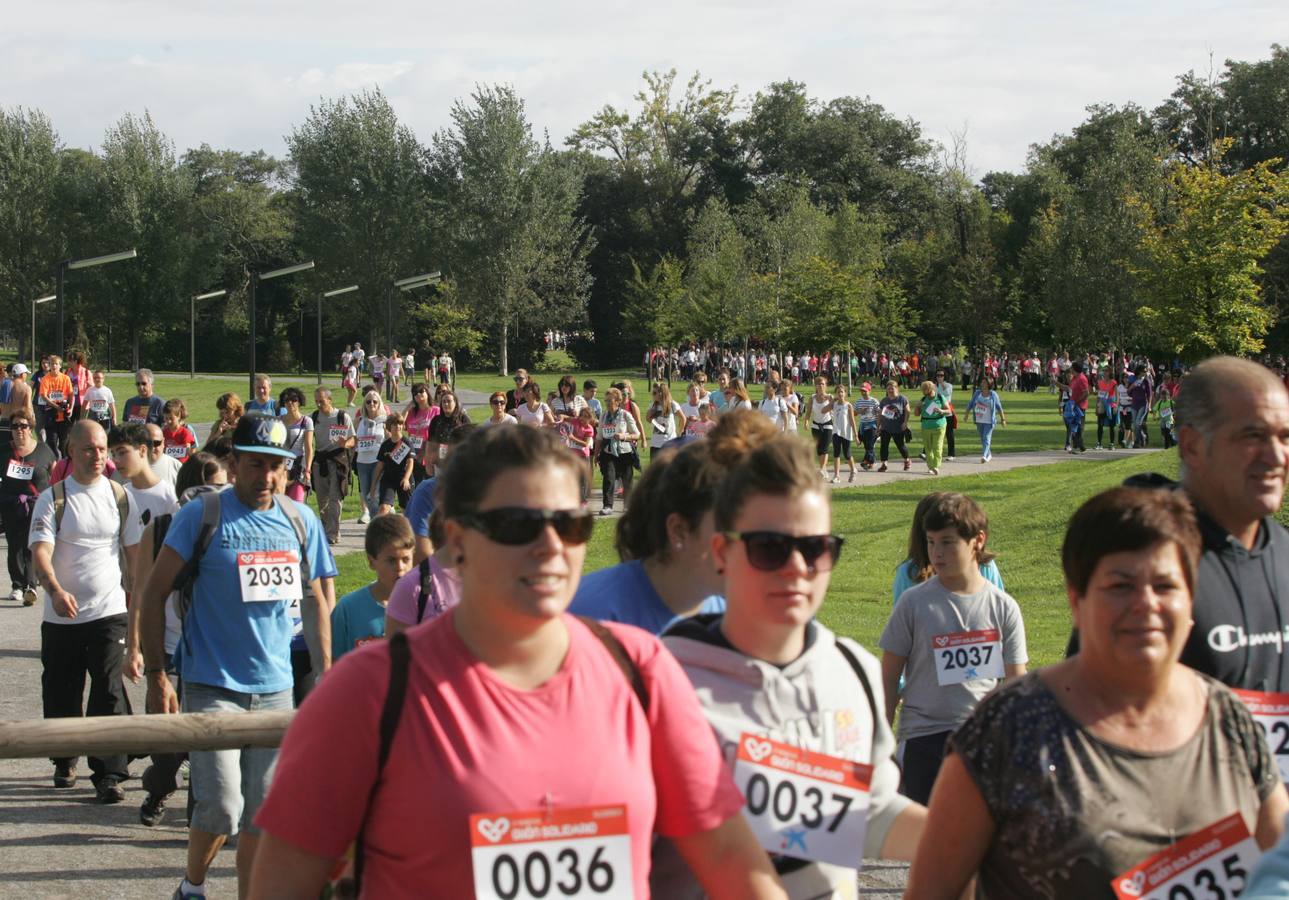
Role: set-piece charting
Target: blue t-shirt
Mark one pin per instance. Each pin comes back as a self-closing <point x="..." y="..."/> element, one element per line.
<point x="267" y="408"/>
<point x="624" y="593"/>
<point x="228" y="643"/>
<point x="904" y="578"/>
<point x="421" y="507"/>
<point x="358" y="617"/>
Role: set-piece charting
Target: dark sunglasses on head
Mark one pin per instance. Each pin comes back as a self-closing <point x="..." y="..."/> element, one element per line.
<point x="770" y="551"/>
<point x="518" y="525"/>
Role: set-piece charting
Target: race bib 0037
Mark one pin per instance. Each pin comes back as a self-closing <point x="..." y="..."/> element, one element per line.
<point x="584" y="852"/>
<point x="803" y="804"/>
<point x="967" y="656"/>
<point x="1213" y="862"/>
<point x="269" y="576"/>
<point x="1271" y="712"/>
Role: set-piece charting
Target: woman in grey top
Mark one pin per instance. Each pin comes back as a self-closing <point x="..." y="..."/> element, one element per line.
<point x="1113" y="773"/>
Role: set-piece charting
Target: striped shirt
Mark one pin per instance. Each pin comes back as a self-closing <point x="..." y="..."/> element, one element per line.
<point x="866" y="410"/>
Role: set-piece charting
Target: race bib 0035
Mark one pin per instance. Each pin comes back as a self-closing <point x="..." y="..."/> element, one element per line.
<point x="967" y="656"/>
<point x="803" y="804"/>
<point x="1213" y="862"/>
<point x="584" y="852"/>
<point x="1271" y="712"/>
<point x="269" y="576"/>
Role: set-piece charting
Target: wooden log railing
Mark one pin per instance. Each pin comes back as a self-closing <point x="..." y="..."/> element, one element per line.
<point x="140" y="735"/>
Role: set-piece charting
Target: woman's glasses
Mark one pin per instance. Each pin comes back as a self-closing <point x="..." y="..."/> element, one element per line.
<point x="770" y="551"/>
<point x="515" y="526"/>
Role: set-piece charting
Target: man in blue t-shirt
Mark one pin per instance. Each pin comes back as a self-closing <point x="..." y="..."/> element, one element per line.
<point x="234" y="652"/>
<point x="146" y="408"/>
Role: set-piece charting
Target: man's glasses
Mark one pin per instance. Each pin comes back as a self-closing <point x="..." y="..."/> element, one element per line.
<point x="770" y="551"/>
<point x="515" y="526"/>
<point x="155" y="443"/>
<point x="141" y="384"/>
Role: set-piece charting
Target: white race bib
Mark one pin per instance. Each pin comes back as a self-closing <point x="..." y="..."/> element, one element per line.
<point x="967" y="656"/>
<point x="984" y="414"/>
<point x="98" y="406"/>
<point x="399" y="453"/>
<point x="338" y="434"/>
<point x="1271" y="712"/>
<point x="136" y="419"/>
<point x="1213" y="862"/>
<point x="608" y="432"/>
<point x="20" y="470"/>
<point x="56" y="396"/>
<point x="583" y="853"/>
<point x="415" y="440"/>
<point x="801" y="803"/>
<point x="368" y="442"/>
<point x="891" y="412"/>
<point x="269" y="576"/>
<point x="176" y="451"/>
<point x="443" y="451"/>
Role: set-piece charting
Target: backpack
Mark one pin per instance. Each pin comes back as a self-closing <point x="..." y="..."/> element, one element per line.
<point x="118" y="493"/>
<point x="400" y="658"/>
<point x="425" y="592"/>
<point x="186" y="580"/>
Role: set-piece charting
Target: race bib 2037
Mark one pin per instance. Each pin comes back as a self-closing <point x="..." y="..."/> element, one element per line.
<point x="967" y="656"/>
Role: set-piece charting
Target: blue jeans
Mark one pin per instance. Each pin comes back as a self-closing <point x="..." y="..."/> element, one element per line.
<point x="868" y="434"/>
<point x="1139" y="426"/>
<point x="365" y="473"/>
<point x="986" y="433"/>
<point x="230" y="785"/>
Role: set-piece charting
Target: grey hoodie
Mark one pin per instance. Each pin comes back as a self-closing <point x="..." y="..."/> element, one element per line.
<point x="815" y="702"/>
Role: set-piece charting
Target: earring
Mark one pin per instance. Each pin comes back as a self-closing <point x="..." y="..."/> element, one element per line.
<point x="460" y="558"/>
<point x="679" y="545"/>
<point x="720" y="570"/>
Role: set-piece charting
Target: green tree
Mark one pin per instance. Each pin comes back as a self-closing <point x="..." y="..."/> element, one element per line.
<point x="718" y="277"/>
<point x="31" y="241"/>
<point x="360" y="203"/>
<point x="654" y="312"/>
<point x="508" y="207"/>
<point x="1204" y="248"/>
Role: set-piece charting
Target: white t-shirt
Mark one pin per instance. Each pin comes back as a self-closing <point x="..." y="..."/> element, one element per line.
<point x="506" y="419"/>
<point x="821" y="411"/>
<point x="774" y="409"/>
<point x="167" y="468"/>
<point x="690" y="410"/>
<point x="370" y="433"/>
<point x="99" y="402"/>
<point x="663" y="425"/>
<point x="532" y="417"/>
<point x="87" y="548"/>
<point x="152" y="502"/>
<point x="792" y="404"/>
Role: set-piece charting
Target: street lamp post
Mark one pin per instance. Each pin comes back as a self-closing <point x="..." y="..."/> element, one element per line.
<point x="256" y="278"/>
<point x="192" y="329"/>
<point x="32" y="351"/>
<point x="403" y="284"/>
<point x="89" y="262"/>
<point x="336" y="293"/>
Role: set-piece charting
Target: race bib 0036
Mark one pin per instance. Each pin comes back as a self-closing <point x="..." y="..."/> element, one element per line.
<point x="584" y="852"/>
<point x="1213" y="862"/>
<point x="1271" y="712"/>
<point x="967" y="656"/>
<point x="803" y="804"/>
<point x="269" y="576"/>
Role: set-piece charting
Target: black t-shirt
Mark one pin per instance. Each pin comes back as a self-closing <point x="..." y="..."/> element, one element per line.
<point x="391" y="474"/>
<point x="41" y="461"/>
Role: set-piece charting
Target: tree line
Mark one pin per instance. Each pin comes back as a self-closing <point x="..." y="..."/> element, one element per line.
<point x="696" y="214"/>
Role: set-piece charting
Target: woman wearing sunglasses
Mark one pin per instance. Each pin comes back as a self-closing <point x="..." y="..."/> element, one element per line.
<point x="524" y="756"/>
<point x="784" y="694"/>
<point x="499" y="416"/>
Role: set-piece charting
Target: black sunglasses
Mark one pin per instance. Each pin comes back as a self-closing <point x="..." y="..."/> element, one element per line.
<point x="18" y="426"/>
<point x="141" y="383"/>
<point x="155" y="443"/>
<point x="770" y="551"/>
<point x="515" y="526"/>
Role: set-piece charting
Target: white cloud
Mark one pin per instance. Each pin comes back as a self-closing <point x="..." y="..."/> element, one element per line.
<point x="242" y="74"/>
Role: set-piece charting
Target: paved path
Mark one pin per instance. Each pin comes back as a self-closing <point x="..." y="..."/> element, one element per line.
<point x="59" y="843"/>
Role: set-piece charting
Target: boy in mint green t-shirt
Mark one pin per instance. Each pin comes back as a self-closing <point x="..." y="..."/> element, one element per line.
<point x="359" y="617"/>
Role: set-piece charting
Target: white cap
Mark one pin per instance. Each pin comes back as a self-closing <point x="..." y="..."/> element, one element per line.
<point x="18" y="369"/>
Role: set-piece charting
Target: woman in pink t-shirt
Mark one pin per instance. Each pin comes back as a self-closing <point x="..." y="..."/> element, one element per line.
<point x="419" y="415"/>
<point x="531" y="749"/>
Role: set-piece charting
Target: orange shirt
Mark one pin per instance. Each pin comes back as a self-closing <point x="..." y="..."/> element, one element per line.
<point x="57" y="391"/>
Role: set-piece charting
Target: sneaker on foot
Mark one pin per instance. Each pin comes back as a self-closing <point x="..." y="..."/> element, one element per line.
<point x="29" y="597"/>
<point x="852" y="477"/>
<point x="934" y="471"/>
<point x="183" y="892"/>
<point x="64" y="776"/>
<point x="882" y="467"/>
<point x="984" y="459"/>
<point x="950" y="458"/>
<point x="15" y="595"/>
<point x="835" y="479"/>
<point x="108" y="791"/>
<point x="153" y="810"/>
<point x="364" y="518"/>
<point x="1097" y="447"/>
<point x="606" y="510"/>
<point x="908" y="464"/>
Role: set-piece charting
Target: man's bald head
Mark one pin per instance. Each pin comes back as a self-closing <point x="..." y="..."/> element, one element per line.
<point x="85" y="431"/>
<point x="1202" y="403"/>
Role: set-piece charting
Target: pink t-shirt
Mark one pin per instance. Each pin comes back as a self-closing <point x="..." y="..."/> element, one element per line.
<point x="418" y="424"/>
<point x="446" y="594"/>
<point x="470" y="743"/>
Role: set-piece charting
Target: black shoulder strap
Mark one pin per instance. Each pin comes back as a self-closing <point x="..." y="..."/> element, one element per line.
<point x="426" y="590"/>
<point x="862" y="676"/>
<point x="621" y="657"/>
<point x="400" y="659"/>
<point x="160" y="527"/>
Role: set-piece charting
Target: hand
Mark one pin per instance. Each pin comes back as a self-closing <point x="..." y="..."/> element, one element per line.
<point x="64" y="603"/>
<point x="161" y="698"/>
<point x="133" y="668"/>
<point x="406" y="485"/>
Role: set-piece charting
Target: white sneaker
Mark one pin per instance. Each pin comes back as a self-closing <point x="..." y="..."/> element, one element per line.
<point x="950" y="458"/>
<point x="15" y="595"/>
<point x="364" y="518"/>
<point x="835" y="479"/>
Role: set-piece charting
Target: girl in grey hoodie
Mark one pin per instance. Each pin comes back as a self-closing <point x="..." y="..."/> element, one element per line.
<point x="796" y="709"/>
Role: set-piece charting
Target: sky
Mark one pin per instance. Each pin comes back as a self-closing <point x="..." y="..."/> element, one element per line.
<point x="240" y="74"/>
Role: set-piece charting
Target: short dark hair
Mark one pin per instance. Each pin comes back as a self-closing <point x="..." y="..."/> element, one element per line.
<point x="949" y="509"/>
<point x="590" y="383"/>
<point x="133" y="433"/>
<point x="490" y="452"/>
<point x="384" y="531"/>
<point x="291" y="393"/>
<point x="1125" y="519"/>
<point x="199" y="468"/>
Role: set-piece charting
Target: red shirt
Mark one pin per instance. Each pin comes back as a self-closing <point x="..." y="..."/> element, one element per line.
<point x="469" y="743"/>
<point x="179" y="443"/>
<point x="1079" y="390"/>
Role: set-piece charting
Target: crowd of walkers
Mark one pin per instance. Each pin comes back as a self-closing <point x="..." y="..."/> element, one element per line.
<point x="494" y="724"/>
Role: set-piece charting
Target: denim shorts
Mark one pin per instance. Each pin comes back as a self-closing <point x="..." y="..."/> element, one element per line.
<point x="229" y="785"/>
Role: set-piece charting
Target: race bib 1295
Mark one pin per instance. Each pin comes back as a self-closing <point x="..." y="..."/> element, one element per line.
<point x="583" y="852"/>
